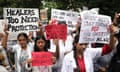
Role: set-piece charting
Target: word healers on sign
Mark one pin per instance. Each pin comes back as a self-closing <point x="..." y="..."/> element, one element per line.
<point x="19" y="12"/>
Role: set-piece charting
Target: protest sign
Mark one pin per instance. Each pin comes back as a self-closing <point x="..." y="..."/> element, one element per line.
<point x="56" y="31"/>
<point x="69" y="17"/>
<point x="21" y="19"/>
<point x="41" y="58"/>
<point x="43" y="16"/>
<point x="94" y="28"/>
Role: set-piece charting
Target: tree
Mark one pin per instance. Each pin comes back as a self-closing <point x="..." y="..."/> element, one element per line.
<point x="18" y="4"/>
<point x="107" y="7"/>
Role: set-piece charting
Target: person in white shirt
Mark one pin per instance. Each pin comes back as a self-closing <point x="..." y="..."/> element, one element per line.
<point x="22" y="51"/>
<point x="81" y="58"/>
<point x="40" y="46"/>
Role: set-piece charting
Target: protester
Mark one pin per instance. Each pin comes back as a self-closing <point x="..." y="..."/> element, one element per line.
<point x="22" y="51"/>
<point x="81" y="58"/>
<point x="65" y="46"/>
<point x="41" y="46"/>
<point x="4" y="51"/>
<point x="68" y="55"/>
<point x="39" y="32"/>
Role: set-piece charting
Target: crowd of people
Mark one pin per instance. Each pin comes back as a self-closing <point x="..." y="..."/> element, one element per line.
<point x="68" y="55"/>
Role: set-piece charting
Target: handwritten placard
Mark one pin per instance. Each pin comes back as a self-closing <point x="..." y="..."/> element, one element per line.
<point x="69" y="17"/>
<point x="94" y="28"/>
<point x="21" y="19"/>
<point x="56" y="31"/>
<point x="41" y="58"/>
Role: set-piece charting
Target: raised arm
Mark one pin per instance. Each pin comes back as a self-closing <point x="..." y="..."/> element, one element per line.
<point x="41" y="29"/>
<point x="30" y="36"/>
<point x="57" y="53"/>
<point x="5" y="37"/>
<point x="114" y="31"/>
<point x="1" y="35"/>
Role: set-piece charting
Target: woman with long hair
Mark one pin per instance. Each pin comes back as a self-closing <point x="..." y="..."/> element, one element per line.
<point x="41" y="45"/>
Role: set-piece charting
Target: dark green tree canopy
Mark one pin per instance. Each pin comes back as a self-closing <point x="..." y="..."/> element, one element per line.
<point x="107" y="7"/>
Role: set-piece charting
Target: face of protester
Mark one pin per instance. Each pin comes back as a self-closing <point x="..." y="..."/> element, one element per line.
<point x="40" y="44"/>
<point x="80" y="47"/>
<point x="22" y="41"/>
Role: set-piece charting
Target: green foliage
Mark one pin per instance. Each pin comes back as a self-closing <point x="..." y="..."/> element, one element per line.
<point x="18" y="4"/>
<point x="107" y="7"/>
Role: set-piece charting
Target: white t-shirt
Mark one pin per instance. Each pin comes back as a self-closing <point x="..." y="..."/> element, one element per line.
<point x="63" y="49"/>
<point x="18" y="50"/>
<point x="89" y="54"/>
<point x="58" y="63"/>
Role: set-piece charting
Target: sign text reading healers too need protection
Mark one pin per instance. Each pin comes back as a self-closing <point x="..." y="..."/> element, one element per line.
<point x="21" y="19"/>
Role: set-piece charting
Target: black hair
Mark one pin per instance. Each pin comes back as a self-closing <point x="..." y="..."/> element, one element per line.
<point x="23" y="34"/>
<point x="47" y="43"/>
<point x="62" y="22"/>
<point x="76" y="39"/>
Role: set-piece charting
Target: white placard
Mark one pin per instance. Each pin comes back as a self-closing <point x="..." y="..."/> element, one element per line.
<point x="94" y="28"/>
<point x="69" y="17"/>
<point x="21" y="19"/>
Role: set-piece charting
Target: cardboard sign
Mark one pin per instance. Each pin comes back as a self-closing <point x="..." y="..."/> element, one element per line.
<point x="21" y="19"/>
<point x="94" y="28"/>
<point x="56" y="31"/>
<point x="69" y="17"/>
<point x="41" y="58"/>
<point x="43" y="16"/>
